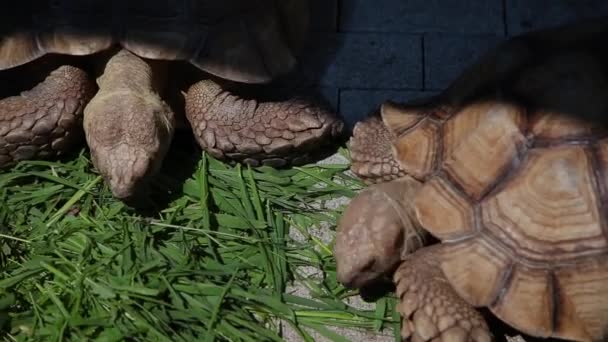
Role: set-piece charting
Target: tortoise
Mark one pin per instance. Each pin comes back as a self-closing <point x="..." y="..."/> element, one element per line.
<point x="490" y="198"/>
<point x="130" y="116"/>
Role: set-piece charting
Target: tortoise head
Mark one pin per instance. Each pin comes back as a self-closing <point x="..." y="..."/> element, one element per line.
<point x="375" y="231"/>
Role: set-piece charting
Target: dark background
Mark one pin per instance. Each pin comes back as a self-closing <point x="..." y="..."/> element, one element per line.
<point x="367" y="51"/>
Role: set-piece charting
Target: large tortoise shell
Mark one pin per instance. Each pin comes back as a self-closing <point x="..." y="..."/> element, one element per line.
<point x="516" y="188"/>
<point x="249" y="41"/>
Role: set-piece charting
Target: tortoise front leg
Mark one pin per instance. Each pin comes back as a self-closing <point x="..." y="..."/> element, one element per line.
<point x="128" y="126"/>
<point x="255" y="132"/>
<point x="371" y="150"/>
<point x="430" y="308"/>
<point x="45" y="121"/>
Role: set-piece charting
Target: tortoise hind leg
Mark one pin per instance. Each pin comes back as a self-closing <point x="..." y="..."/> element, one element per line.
<point x="257" y="133"/>
<point x="430" y="308"/>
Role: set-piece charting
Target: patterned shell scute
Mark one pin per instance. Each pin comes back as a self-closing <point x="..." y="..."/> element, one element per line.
<point x="494" y="141"/>
<point x="415" y="159"/>
<point x="417" y="131"/>
<point x="550" y="209"/>
<point x="547" y="126"/>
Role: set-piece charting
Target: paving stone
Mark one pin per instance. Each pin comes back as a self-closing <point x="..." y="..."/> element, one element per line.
<point x="446" y="56"/>
<point x="356" y="105"/>
<point x="324" y="15"/>
<point x="527" y="15"/>
<point x="363" y="60"/>
<point x="453" y="16"/>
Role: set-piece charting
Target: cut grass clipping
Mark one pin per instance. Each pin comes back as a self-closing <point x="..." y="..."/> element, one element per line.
<point x="213" y="264"/>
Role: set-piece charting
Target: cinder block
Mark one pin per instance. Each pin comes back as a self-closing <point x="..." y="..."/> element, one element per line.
<point x="446" y="56"/>
<point x="362" y="60"/>
<point x="528" y="15"/>
<point x="329" y="96"/>
<point x="356" y="105"/>
<point x="452" y="16"/>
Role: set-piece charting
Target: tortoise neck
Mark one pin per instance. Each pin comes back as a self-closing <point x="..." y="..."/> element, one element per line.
<point x="124" y="70"/>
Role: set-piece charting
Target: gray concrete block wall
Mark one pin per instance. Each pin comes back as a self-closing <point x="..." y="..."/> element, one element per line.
<point x="363" y="52"/>
<point x="447" y="55"/>
<point x="374" y="61"/>
<point x="526" y="15"/>
<point x="422" y="16"/>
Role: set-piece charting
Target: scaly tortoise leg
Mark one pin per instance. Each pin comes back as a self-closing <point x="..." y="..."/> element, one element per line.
<point x="430" y="308"/>
<point x="371" y="152"/>
<point x="46" y="121"/>
<point x="257" y="133"/>
<point x="128" y="126"/>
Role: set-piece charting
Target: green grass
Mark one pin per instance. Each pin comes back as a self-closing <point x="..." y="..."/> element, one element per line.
<point x="211" y="264"/>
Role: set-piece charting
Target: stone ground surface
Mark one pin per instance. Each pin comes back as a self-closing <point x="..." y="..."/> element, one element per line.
<point x="364" y="52"/>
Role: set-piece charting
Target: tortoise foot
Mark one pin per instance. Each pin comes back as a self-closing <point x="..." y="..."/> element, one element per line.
<point x="430" y="308"/>
<point x="258" y="133"/>
<point x="371" y="152"/>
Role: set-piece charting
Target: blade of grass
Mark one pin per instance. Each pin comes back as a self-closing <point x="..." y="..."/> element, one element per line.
<point x="210" y="335"/>
<point x="77" y="196"/>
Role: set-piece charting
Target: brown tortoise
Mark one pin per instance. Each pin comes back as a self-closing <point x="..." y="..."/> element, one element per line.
<point x="514" y="186"/>
<point x="130" y="117"/>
